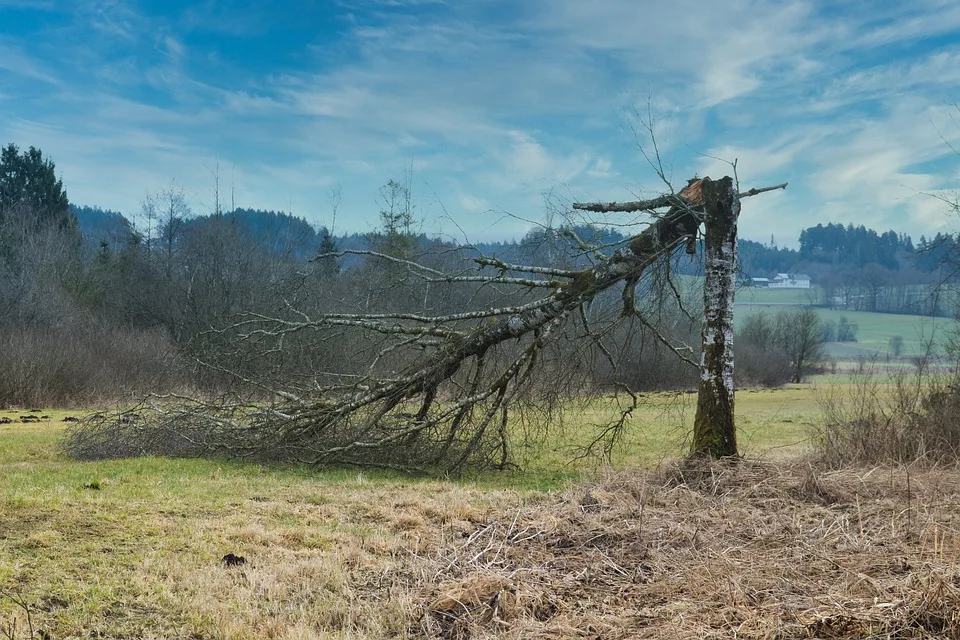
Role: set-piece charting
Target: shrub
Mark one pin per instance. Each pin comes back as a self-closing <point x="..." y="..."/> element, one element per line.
<point x="847" y="331"/>
<point x="901" y="417"/>
<point x="79" y="362"/>
<point x="761" y="367"/>
<point x="896" y="345"/>
<point x="772" y="350"/>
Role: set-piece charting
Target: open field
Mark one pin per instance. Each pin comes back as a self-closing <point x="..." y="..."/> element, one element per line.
<point x="874" y="330"/>
<point x="766" y="295"/>
<point x="768" y="548"/>
<point x="772" y="423"/>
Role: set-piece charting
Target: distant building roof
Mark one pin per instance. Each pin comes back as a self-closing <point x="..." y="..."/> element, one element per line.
<point x="801" y="276"/>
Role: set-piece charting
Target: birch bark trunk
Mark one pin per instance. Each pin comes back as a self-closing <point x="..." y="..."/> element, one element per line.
<point x="714" y="431"/>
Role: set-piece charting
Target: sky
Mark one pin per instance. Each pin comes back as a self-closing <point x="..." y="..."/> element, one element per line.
<point x="497" y="113"/>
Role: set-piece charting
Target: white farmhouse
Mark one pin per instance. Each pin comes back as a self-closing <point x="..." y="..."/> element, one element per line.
<point x="791" y="281"/>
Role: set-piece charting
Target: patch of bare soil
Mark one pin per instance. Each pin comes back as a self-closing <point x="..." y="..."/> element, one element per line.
<point x="721" y="550"/>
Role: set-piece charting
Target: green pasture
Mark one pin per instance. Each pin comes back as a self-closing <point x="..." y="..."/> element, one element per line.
<point x="132" y="547"/>
<point x="657" y="430"/>
<point x="770" y="422"/>
<point x="767" y="296"/>
<point x="874" y="330"/>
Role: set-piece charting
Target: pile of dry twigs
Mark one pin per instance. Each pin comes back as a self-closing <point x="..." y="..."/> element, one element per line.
<point x="725" y="550"/>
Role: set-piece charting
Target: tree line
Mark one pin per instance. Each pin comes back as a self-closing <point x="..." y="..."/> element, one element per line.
<point x="92" y="305"/>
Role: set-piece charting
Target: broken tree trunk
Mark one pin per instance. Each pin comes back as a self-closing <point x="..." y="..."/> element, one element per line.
<point x="714" y="432"/>
<point x="439" y="390"/>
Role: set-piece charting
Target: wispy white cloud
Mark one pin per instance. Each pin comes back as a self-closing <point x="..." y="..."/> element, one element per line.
<point x="114" y="18"/>
<point x="16" y="61"/>
<point x="228" y="17"/>
<point x="495" y="103"/>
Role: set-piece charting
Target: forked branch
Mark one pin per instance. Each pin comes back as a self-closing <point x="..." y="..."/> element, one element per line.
<point x="429" y="391"/>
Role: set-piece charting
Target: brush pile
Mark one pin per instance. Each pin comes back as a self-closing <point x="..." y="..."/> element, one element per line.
<point x="716" y="550"/>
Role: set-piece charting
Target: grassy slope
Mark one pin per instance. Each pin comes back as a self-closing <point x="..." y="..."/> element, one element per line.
<point x="875" y="329"/>
<point x="759" y="295"/>
<point x="131" y="548"/>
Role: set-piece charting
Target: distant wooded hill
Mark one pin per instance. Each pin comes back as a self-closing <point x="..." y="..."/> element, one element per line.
<point x="826" y="251"/>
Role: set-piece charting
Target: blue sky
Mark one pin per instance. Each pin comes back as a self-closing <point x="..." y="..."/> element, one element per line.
<point x="504" y="110"/>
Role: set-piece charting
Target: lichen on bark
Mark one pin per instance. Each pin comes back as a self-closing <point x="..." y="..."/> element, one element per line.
<point x="714" y="431"/>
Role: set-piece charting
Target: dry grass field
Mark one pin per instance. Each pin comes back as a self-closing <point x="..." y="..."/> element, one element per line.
<point x="765" y="548"/>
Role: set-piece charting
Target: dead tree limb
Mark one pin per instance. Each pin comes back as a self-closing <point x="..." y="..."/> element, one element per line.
<point x="437" y="389"/>
<point x="656" y="203"/>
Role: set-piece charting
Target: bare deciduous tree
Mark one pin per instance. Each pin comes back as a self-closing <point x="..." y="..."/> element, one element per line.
<point x="436" y="391"/>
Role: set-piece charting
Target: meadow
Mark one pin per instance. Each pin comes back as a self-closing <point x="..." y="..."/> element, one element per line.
<point x="645" y="548"/>
<point x="874" y="330"/>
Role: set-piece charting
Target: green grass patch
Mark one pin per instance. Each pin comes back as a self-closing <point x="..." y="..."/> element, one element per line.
<point x="874" y="330"/>
<point x="132" y="547"/>
<point x="777" y="296"/>
<point x="659" y="429"/>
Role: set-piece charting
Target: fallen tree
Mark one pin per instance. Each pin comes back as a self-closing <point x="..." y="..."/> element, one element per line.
<point x="458" y="377"/>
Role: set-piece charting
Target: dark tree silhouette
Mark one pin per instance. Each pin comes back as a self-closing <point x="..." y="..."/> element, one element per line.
<point x="29" y="187"/>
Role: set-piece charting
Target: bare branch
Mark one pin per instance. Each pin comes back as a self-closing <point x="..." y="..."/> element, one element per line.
<point x="677" y="351"/>
<point x="660" y="202"/>
<point x="500" y="279"/>
<point x="500" y="264"/>
<point x="629" y="207"/>
<point x="416" y="266"/>
<point x="755" y="191"/>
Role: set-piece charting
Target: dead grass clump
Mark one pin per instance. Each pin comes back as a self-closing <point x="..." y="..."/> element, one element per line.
<point x="897" y="418"/>
<point x="813" y="488"/>
<point x="714" y="550"/>
<point x="475" y="601"/>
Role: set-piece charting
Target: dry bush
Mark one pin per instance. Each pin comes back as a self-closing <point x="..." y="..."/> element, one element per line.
<point x="786" y="347"/>
<point x="79" y="362"/>
<point x="761" y="367"/>
<point x="890" y="418"/>
<point x="715" y="550"/>
<point x="642" y="362"/>
<point x="342" y="394"/>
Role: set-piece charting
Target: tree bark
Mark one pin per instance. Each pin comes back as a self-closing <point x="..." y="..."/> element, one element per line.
<point x="714" y="432"/>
